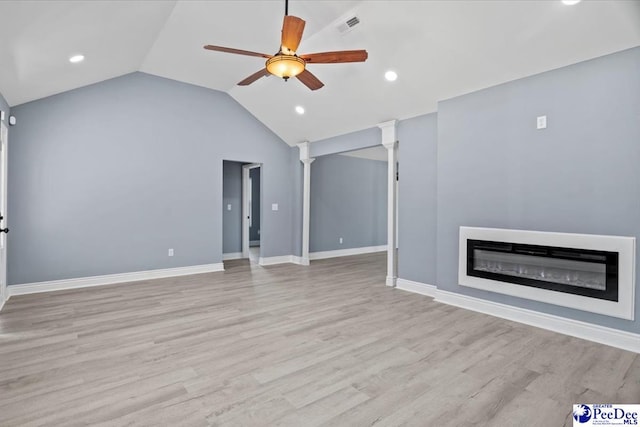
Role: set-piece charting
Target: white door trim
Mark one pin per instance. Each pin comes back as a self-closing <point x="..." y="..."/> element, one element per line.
<point x="245" y="206"/>
<point x="4" y="136"/>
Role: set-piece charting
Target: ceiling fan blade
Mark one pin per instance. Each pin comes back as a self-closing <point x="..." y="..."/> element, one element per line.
<point x="310" y="80"/>
<point x="336" y="57"/>
<point x="292" y="29"/>
<point x="253" y="77"/>
<point x="237" y="51"/>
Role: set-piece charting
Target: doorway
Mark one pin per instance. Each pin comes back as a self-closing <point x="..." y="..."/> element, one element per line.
<point x="251" y="211"/>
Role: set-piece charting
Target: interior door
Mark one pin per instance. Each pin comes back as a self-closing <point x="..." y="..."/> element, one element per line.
<point x="3" y="212"/>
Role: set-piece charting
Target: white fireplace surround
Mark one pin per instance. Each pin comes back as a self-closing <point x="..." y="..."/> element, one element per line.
<point x="624" y="246"/>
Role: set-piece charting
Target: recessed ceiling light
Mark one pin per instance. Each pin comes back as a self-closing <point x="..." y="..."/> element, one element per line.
<point x="300" y="109"/>
<point x="76" y="58"/>
<point x="391" y="76"/>
<point x="571" y="2"/>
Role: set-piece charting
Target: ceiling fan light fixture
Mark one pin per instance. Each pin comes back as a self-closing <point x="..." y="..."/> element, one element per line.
<point x="285" y="66"/>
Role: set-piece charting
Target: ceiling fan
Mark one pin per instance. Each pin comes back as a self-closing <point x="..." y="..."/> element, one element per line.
<point x="287" y="63"/>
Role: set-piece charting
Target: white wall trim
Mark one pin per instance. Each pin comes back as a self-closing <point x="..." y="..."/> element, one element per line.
<point x="232" y="255"/>
<point x="416" y="287"/>
<point x="575" y="328"/>
<point x="299" y="260"/>
<point x="347" y="252"/>
<point x="273" y="260"/>
<point x="2" y="301"/>
<point x="625" y="247"/>
<point x="110" y="279"/>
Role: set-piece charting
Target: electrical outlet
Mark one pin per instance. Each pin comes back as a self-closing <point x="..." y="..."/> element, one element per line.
<point x="340" y="240"/>
<point x="274" y="206"/>
<point x="170" y="252"/>
<point x="541" y="122"/>
<point x="229" y="207"/>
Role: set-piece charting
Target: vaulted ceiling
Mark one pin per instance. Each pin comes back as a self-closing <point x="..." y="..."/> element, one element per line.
<point x="439" y="49"/>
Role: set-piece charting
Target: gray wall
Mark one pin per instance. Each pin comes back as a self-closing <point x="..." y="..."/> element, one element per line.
<point x="105" y="178"/>
<point x="231" y="195"/>
<point x="348" y="200"/>
<point x="254" y="229"/>
<point x="417" y="199"/>
<point x="347" y="142"/>
<point x="580" y="175"/>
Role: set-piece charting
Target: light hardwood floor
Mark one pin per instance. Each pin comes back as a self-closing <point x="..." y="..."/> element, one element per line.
<point x="327" y="344"/>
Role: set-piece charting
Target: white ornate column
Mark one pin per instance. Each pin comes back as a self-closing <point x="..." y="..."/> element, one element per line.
<point x="390" y="142"/>
<point x="306" y="199"/>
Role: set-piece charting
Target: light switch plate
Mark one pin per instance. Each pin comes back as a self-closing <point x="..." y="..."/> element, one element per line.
<point x="274" y="206"/>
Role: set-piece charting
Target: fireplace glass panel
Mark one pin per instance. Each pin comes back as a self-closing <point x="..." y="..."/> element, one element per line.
<point x="566" y="272"/>
<point x="576" y="271"/>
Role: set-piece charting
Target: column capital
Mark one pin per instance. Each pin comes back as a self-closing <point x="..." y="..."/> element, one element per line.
<point x="308" y="161"/>
<point x="390" y="145"/>
<point x="389" y="134"/>
<point x="304" y="151"/>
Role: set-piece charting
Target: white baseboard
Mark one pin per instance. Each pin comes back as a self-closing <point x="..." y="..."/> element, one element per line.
<point x="2" y="301"/>
<point x="299" y="260"/>
<point x="416" y="287"/>
<point x="347" y="252"/>
<point x="600" y="334"/>
<point x="283" y="259"/>
<point x="232" y="255"/>
<point x="273" y="260"/>
<point x="575" y="328"/>
<point x="109" y="279"/>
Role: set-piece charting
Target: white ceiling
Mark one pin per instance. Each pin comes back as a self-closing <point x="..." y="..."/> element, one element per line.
<point x="440" y="49"/>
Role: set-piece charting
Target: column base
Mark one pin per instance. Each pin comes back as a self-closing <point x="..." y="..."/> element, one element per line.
<point x="391" y="281"/>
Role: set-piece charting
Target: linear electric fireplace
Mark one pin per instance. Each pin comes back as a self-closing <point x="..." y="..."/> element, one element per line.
<point x="574" y="271"/>
<point x="587" y="272"/>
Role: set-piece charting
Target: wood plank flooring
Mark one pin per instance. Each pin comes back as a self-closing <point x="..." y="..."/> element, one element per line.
<point x="289" y="345"/>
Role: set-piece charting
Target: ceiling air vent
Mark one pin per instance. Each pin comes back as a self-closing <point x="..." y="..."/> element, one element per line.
<point x="345" y="27"/>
